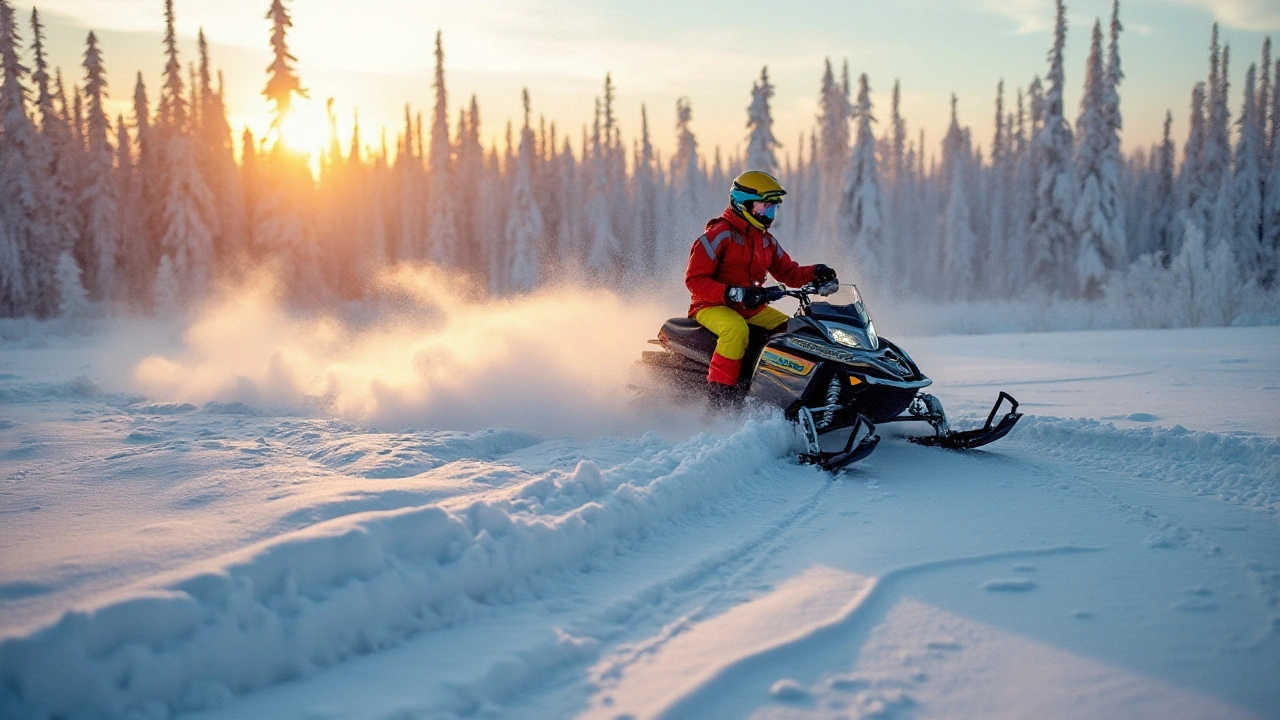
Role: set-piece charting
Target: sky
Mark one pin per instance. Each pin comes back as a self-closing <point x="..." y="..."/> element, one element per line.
<point x="377" y="55"/>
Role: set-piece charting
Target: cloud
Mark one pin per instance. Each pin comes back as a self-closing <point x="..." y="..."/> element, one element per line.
<point x="1029" y="16"/>
<point x="1258" y="15"/>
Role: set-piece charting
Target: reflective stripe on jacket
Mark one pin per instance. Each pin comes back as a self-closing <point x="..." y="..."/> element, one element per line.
<point x="733" y="252"/>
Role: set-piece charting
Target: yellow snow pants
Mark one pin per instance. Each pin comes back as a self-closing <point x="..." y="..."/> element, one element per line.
<point x="732" y="335"/>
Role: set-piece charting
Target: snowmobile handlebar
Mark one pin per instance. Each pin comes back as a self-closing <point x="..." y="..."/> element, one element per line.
<point x="774" y="293"/>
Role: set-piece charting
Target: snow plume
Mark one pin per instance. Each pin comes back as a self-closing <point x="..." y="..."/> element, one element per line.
<point x="422" y="353"/>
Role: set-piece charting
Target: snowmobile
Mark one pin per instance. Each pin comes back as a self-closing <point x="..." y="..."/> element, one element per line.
<point x="830" y="372"/>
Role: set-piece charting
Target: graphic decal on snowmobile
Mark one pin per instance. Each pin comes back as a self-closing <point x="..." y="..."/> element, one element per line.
<point x="785" y="362"/>
<point x="862" y="380"/>
<point x="825" y="351"/>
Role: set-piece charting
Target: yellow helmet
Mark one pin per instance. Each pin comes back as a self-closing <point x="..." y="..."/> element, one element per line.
<point x="754" y="186"/>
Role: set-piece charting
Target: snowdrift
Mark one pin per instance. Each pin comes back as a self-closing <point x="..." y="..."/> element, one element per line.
<point x="359" y="583"/>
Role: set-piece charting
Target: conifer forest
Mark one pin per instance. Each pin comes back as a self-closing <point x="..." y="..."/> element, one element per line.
<point x="146" y="213"/>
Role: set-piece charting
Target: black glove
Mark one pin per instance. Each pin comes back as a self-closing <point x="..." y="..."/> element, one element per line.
<point x="750" y="297"/>
<point x="823" y="275"/>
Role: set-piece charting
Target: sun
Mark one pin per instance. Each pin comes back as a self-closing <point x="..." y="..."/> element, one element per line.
<point x="305" y="129"/>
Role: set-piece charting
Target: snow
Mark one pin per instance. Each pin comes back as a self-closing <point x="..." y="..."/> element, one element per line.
<point x="303" y="520"/>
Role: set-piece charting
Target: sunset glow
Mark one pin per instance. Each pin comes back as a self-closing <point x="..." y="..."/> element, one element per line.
<point x="378" y="59"/>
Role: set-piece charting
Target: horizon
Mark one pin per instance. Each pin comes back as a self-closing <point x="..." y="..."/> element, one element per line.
<point x="1163" y="50"/>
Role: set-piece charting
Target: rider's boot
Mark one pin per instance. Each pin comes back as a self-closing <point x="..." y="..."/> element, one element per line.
<point x="724" y="398"/>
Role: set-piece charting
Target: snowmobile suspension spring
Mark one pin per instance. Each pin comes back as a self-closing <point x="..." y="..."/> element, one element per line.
<point x="833" y="398"/>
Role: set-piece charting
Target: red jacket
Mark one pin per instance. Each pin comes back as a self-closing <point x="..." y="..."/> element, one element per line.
<point x="733" y="252"/>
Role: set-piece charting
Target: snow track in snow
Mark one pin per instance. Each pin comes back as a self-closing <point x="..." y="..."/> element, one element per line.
<point x="1239" y="468"/>
<point x="360" y="582"/>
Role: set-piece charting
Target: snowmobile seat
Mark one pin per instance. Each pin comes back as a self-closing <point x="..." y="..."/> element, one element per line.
<point x="701" y="342"/>
<point x="687" y="333"/>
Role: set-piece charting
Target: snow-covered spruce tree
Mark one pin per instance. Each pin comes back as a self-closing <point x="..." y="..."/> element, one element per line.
<point x="1246" y="232"/>
<point x="1215" y="164"/>
<point x="186" y="204"/>
<point x="57" y="223"/>
<point x="411" y="182"/>
<point x="1195" y="197"/>
<point x="493" y="197"/>
<point x="283" y="227"/>
<point x="1098" y="219"/>
<point x="1273" y="134"/>
<point x="101" y="251"/>
<point x="73" y="300"/>
<point x="959" y="275"/>
<point x="142" y="214"/>
<point x="810" y="208"/>
<point x="20" y="246"/>
<point x="186" y="239"/>
<point x="166" y="289"/>
<point x="282" y="79"/>
<point x="1224" y="215"/>
<point x="441" y="221"/>
<point x="996" y="263"/>
<point x="796" y="176"/>
<point x="125" y="188"/>
<point x="1022" y="202"/>
<point x="568" y="232"/>
<point x="468" y="179"/>
<point x="760" y="140"/>
<point x="173" y="102"/>
<point x="952" y="265"/>
<point x="336" y="206"/>
<point x="1205" y="280"/>
<point x="604" y="248"/>
<point x="861" y="205"/>
<point x="957" y="150"/>
<point x="833" y="153"/>
<point x="547" y="192"/>
<point x="1163" y="210"/>
<point x="1265" y="90"/>
<point x="897" y="137"/>
<point x="216" y="158"/>
<point x="646" y="200"/>
<point x="615" y="168"/>
<point x="1271" y="193"/>
<point x="895" y="253"/>
<point x="686" y="178"/>
<point x="1052" y="242"/>
<point x="524" y="221"/>
<point x="1113" y="157"/>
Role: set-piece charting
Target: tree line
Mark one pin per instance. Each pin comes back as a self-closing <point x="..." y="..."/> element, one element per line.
<point x="146" y="213"/>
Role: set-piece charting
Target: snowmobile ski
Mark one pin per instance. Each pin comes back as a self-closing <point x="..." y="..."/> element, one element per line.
<point x="968" y="439"/>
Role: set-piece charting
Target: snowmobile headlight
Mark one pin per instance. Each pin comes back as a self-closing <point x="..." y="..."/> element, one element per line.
<point x="844" y="337"/>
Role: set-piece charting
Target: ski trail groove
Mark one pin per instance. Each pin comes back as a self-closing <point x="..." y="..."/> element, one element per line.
<point x="507" y="680"/>
<point x="820" y="637"/>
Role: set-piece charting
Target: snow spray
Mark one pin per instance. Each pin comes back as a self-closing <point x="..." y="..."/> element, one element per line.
<point x="422" y="353"/>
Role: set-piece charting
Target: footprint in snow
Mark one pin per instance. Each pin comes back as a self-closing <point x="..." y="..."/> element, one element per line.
<point x="144" y="436"/>
<point x="1008" y="585"/>
<point x="1160" y="542"/>
<point x="788" y="690"/>
<point x="1196" y="604"/>
<point x="1199" y="600"/>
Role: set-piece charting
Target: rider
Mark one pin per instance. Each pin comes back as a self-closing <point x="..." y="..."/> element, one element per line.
<point x="727" y="266"/>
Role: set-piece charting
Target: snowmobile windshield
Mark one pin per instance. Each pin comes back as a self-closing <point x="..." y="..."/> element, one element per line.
<point x="845" y="306"/>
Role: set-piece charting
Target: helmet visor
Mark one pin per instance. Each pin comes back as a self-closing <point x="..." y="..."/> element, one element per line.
<point x="765" y="209"/>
